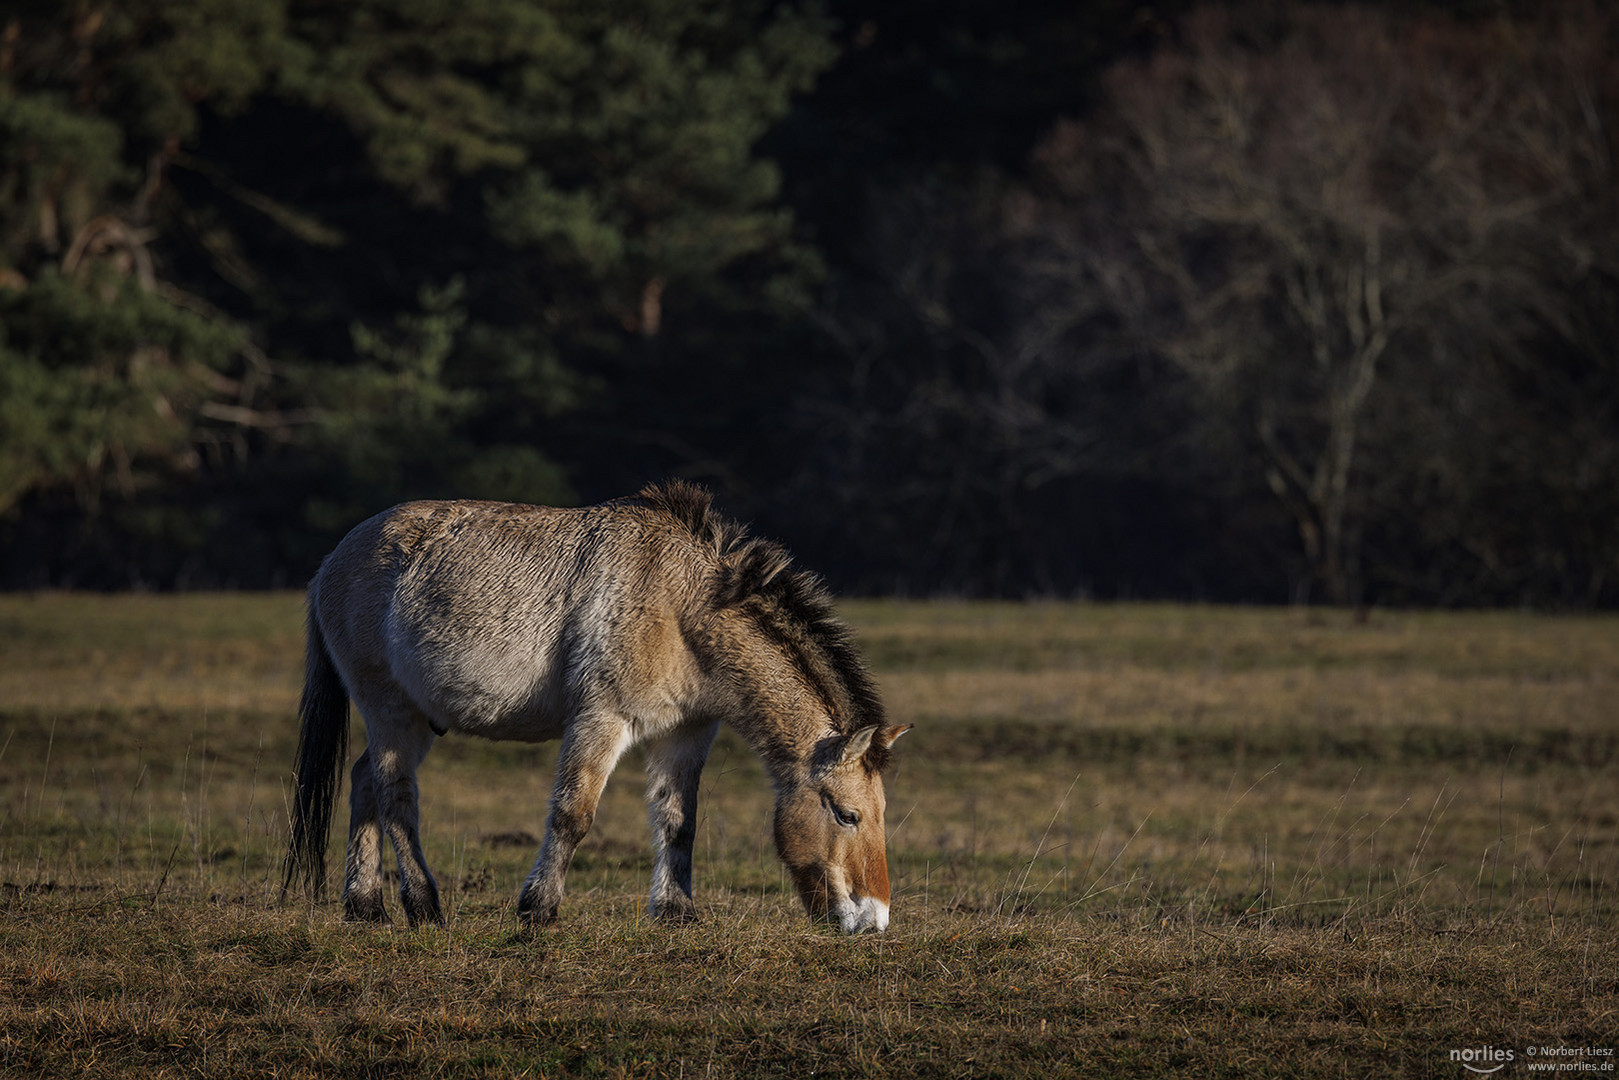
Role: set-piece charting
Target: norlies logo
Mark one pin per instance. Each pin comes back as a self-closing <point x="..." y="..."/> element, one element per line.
<point x="1487" y="1059"/>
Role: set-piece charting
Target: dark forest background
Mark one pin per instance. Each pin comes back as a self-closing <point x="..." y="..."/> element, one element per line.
<point x="1261" y="302"/>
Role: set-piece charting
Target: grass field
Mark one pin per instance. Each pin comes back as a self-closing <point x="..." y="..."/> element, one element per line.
<point x="1125" y="840"/>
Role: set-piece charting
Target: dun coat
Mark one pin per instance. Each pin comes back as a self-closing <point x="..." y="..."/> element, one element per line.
<point x="644" y="621"/>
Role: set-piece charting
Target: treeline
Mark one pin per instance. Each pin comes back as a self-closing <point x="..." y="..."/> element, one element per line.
<point x="1258" y="302"/>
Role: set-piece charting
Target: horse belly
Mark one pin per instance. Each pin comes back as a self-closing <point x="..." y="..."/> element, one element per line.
<point x="497" y="692"/>
<point x="496" y="700"/>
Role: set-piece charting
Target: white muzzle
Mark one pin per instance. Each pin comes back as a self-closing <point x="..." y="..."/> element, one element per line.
<point x="858" y="916"/>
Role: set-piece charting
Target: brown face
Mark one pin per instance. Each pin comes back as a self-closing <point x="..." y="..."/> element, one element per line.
<point x="829" y="832"/>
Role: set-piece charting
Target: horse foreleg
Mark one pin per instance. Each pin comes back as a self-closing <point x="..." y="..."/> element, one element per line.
<point x="674" y="767"/>
<point x="362" y="877"/>
<point x="589" y="751"/>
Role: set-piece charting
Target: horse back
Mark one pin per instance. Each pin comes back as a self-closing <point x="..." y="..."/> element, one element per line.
<point x="505" y="620"/>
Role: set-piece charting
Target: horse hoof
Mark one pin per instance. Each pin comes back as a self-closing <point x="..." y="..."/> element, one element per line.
<point x="672" y="915"/>
<point x="536" y="920"/>
<point x="370" y="911"/>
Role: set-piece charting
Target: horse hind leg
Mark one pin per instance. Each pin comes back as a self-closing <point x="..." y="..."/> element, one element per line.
<point x="362" y="878"/>
<point x="400" y="738"/>
<point x="674" y="767"/>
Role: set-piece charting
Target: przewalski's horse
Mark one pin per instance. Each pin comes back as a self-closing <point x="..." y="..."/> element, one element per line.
<point x="641" y="621"/>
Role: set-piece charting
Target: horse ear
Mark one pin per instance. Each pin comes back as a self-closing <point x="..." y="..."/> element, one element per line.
<point x="857" y="744"/>
<point x="886" y="738"/>
<point x="869" y="746"/>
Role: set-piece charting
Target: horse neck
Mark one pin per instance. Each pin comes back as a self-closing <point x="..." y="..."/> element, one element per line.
<point x="769" y="702"/>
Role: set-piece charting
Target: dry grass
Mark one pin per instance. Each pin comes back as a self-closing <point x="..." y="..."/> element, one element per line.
<point x="1134" y="840"/>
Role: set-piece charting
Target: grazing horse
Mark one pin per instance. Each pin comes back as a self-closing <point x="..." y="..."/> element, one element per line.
<point x="644" y="621"/>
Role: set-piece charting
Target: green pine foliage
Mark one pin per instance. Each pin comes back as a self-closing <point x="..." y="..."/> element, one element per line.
<point x="209" y="315"/>
<point x="101" y="385"/>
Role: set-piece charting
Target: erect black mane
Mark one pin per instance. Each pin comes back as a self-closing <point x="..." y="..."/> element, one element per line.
<point x="791" y="605"/>
<point x="749" y="565"/>
<point x="693" y="506"/>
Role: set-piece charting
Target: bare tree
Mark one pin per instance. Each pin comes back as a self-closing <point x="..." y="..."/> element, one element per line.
<point x="1343" y="284"/>
<point x="968" y="402"/>
<point x="1286" y="207"/>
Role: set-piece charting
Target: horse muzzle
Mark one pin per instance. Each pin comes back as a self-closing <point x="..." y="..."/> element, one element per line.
<point x="859" y="916"/>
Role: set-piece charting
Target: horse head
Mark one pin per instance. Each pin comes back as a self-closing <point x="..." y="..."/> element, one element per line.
<point x="829" y="830"/>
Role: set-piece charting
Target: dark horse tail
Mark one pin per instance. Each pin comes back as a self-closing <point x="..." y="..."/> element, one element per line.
<point x="322" y="745"/>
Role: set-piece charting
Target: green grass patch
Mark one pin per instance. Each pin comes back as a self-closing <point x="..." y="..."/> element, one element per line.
<point x="1125" y="841"/>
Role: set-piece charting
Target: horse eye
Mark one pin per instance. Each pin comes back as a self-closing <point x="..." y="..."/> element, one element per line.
<point x="847" y="818"/>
